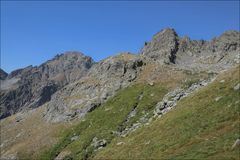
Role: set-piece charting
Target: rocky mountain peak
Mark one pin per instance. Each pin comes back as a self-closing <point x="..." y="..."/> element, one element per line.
<point x="164" y="33"/>
<point x="215" y="55"/>
<point x="167" y="47"/>
<point x="228" y="41"/>
<point x="231" y="35"/>
<point x="69" y="55"/>
<point x="163" y="46"/>
<point x="31" y="87"/>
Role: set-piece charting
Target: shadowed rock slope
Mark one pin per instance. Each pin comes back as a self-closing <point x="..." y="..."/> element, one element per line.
<point x="3" y="74"/>
<point x="31" y="87"/>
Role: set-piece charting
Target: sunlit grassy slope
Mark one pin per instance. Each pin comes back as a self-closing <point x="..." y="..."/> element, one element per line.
<point x="107" y="119"/>
<point x="33" y="135"/>
<point x="201" y="127"/>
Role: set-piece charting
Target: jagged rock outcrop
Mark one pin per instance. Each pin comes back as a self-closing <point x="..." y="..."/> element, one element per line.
<point x="31" y="87"/>
<point x="163" y="46"/>
<point x="3" y="74"/>
<point x="215" y="55"/>
<point x="227" y="42"/>
<point x="101" y="82"/>
<point x="170" y="99"/>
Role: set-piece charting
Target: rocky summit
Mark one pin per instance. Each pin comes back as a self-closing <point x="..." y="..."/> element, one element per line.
<point x="31" y="87"/>
<point x="93" y="109"/>
<point x="163" y="46"/>
<point x="216" y="54"/>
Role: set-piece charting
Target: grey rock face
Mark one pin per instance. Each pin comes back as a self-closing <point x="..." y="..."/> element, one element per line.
<point x="227" y="42"/>
<point x="220" y="53"/>
<point x="31" y="87"/>
<point x="3" y="74"/>
<point x="101" y="83"/>
<point x="163" y="46"/>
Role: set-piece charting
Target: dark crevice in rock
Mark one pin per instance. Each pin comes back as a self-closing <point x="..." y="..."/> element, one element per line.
<point x="93" y="106"/>
<point x="47" y="91"/>
<point x="173" y="53"/>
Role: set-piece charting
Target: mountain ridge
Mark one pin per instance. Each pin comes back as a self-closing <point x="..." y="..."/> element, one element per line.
<point x="166" y="47"/>
<point x="31" y="87"/>
<point x="71" y="107"/>
<point x="140" y="51"/>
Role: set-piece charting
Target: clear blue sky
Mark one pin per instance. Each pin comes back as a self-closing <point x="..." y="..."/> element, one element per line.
<point x="33" y="32"/>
